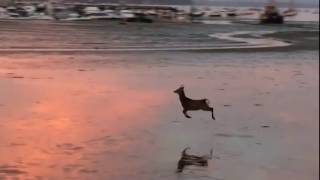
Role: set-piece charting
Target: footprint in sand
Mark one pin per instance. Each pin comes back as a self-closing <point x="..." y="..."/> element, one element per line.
<point x="16" y="77"/>
<point x="265" y="126"/>
<point x="176" y="122"/>
<point x="17" y="144"/>
<point x="71" y="167"/>
<point x="90" y="171"/>
<point x="226" y="135"/>
<point x="69" y="148"/>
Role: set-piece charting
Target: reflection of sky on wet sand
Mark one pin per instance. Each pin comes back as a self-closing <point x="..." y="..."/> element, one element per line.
<point x="66" y="117"/>
<point x="91" y="119"/>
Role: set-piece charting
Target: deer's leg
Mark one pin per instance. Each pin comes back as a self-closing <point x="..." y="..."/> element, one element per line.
<point x="208" y="108"/>
<point x="185" y="113"/>
<point x="204" y="163"/>
<point x="212" y="113"/>
<point x="180" y="166"/>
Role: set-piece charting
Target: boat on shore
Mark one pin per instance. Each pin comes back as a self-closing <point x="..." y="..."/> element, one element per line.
<point x="271" y="15"/>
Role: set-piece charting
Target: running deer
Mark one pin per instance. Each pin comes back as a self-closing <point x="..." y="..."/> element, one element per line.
<point x="192" y="160"/>
<point x="193" y="105"/>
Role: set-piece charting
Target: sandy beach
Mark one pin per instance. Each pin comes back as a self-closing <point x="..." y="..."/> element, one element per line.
<point x="113" y="115"/>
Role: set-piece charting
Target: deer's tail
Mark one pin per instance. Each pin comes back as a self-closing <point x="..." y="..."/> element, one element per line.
<point x="207" y="101"/>
<point x="211" y="154"/>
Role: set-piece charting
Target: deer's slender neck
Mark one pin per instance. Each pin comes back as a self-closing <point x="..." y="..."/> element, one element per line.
<point x="182" y="95"/>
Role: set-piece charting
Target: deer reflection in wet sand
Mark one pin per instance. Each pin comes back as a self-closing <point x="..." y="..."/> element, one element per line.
<point x="188" y="160"/>
<point x="193" y="105"/>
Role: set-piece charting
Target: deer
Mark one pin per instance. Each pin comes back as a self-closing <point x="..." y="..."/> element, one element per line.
<point x="189" y="160"/>
<point x="193" y="105"/>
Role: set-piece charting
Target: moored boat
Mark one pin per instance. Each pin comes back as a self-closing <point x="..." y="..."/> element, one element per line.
<point x="231" y="13"/>
<point x="197" y="14"/>
<point x="215" y="14"/>
<point x="271" y="15"/>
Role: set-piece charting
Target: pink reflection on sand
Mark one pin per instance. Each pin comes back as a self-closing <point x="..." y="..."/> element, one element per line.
<point x="53" y="130"/>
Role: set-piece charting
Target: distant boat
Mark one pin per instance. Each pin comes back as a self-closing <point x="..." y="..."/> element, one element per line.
<point x="100" y="16"/>
<point x="194" y="12"/>
<point x="231" y="14"/>
<point x="140" y="17"/>
<point x="17" y="12"/>
<point x="271" y="15"/>
<point x="126" y="14"/>
<point x="94" y="13"/>
<point x="197" y="14"/>
<point x="215" y="14"/>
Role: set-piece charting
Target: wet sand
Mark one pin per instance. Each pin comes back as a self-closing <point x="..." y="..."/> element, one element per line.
<point x="115" y="116"/>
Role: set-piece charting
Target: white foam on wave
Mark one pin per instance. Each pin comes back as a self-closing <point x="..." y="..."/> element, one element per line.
<point x="257" y="42"/>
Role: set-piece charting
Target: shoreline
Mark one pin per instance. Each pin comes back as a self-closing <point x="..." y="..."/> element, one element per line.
<point x="300" y="42"/>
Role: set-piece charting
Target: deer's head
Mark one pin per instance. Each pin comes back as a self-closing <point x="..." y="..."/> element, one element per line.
<point x="179" y="90"/>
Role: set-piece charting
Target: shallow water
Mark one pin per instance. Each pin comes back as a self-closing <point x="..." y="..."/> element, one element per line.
<point x="115" y="116"/>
